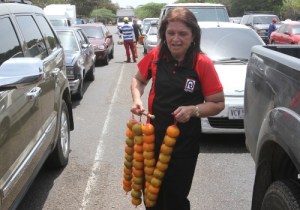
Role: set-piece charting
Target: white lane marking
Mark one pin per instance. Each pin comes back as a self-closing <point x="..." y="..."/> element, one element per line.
<point x="98" y="156"/>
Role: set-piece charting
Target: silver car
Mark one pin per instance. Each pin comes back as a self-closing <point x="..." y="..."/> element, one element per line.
<point x="229" y="46"/>
<point x="150" y="38"/>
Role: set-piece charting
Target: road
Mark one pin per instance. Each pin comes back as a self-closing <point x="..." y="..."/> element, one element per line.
<point x="93" y="178"/>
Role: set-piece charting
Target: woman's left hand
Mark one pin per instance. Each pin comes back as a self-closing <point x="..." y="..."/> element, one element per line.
<point x="183" y="113"/>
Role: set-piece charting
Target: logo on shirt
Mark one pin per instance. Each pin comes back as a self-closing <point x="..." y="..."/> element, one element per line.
<point x="189" y="85"/>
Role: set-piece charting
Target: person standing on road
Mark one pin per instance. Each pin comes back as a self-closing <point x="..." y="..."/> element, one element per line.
<point x="185" y="87"/>
<point x="137" y="32"/>
<point x="272" y="27"/>
<point x="128" y="38"/>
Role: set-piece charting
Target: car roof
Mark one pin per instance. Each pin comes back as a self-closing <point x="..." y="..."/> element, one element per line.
<point x="194" y="5"/>
<point x="292" y="23"/>
<point x="13" y="8"/>
<point x="67" y="28"/>
<point x="90" y="24"/>
<point x="204" y="24"/>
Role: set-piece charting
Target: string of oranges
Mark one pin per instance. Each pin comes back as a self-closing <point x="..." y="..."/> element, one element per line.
<point x="143" y="175"/>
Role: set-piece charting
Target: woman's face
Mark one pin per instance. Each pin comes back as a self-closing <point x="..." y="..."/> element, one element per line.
<point x="179" y="38"/>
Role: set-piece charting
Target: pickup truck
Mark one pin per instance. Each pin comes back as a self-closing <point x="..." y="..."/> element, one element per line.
<point x="272" y="125"/>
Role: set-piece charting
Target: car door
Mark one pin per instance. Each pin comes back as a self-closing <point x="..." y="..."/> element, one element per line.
<point x="88" y="51"/>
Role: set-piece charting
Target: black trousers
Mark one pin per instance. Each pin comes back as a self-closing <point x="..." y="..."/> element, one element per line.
<point x="176" y="185"/>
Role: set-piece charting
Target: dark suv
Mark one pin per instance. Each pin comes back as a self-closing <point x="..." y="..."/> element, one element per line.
<point x="35" y="101"/>
<point x="260" y="23"/>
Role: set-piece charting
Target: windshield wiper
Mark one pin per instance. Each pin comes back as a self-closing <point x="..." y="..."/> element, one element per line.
<point x="232" y="60"/>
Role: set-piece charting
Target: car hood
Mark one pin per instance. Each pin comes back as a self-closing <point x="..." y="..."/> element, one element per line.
<point x="261" y="26"/>
<point x="95" y="41"/>
<point x="71" y="57"/>
<point x="232" y="77"/>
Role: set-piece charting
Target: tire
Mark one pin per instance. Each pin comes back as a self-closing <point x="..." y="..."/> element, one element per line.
<point x="111" y="54"/>
<point x="90" y="76"/>
<point x="106" y="60"/>
<point x="281" y="195"/>
<point x="79" y="94"/>
<point x="59" y="158"/>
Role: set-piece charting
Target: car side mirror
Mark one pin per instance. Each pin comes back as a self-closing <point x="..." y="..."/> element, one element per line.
<point x="19" y="72"/>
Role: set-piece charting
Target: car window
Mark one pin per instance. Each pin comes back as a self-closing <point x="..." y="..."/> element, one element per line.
<point x="296" y="29"/>
<point x="68" y="40"/>
<point x="32" y="36"/>
<point x="263" y="19"/>
<point x="153" y="30"/>
<point x="93" y="32"/>
<point x="281" y="29"/>
<point x="222" y="43"/>
<point x="10" y="45"/>
<point x="50" y="38"/>
<point x="210" y="14"/>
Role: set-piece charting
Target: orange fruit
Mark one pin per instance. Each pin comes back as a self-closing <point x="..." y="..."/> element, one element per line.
<point x="129" y="142"/>
<point x="152" y="196"/>
<point x="150" y="162"/>
<point x="173" y="131"/>
<point x="164" y="158"/>
<point x="127" y="176"/>
<point x="147" y="185"/>
<point x="137" y="129"/>
<point x="158" y="174"/>
<point x="127" y="183"/>
<point x="148" y="129"/>
<point x="126" y="188"/>
<point x="138" y="164"/>
<point x="164" y="149"/>
<point x="138" y="139"/>
<point x="149" y="170"/>
<point x="130" y="123"/>
<point x="161" y="166"/>
<point x="138" y="148"/>
<point x="127" y="171"/>
<point x="148" y="178"/>
<point x="136" y="201"/>
<point x="150" y="203"/>
<point x="128" y="157"/>
<point x="137" y="173"/>
<point x="129" y="150"/>
<point x="155" y="182"/>
<point x="138" y="180"/>
<point x="129" y="133"/>
<point x="138" y="156"/>
<point x="169" y="141"/>
<point x="153" y="189"/>
<point x="136" y="194"/>
<point x="127" y="164"/>
<point x="148" y="147"/>
<point x="148" y="155"/>
<point x="149" y="138"/>
<point x="137" y="187"/>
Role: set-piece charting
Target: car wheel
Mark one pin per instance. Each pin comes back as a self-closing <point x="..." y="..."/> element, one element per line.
<point x="111" y="54"/>
<point x="90" y="76"/>
<point x="79" y="94"/>
<point x="60" y="155"/>
<point x="106" y="60"/>
<point x="283" y="194"/>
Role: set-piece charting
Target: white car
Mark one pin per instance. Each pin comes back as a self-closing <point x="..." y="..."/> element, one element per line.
<point x="229" y="46"/>
<point x="150" y="38"/>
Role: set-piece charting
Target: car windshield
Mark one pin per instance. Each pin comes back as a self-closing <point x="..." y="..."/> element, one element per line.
<point x="152" y="30"/>
<point x="210" y="14"/>
<point x="263" y="19"/>
<point x="93" y="32"/>
<point x="296" y="29"/>
<point x="59" y="22"/>
<point x="228" y="43"/>
<point x="68" y="40"/>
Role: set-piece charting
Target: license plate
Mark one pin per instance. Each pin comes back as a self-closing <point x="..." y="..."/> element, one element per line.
<point x="236" y="113"/>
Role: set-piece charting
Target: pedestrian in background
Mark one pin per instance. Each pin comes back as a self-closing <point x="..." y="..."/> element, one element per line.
<point x="272" y="27"/>
<point x="128" y="38"/>
<point x="185" y="88"/>
<point x="137" y="32"/>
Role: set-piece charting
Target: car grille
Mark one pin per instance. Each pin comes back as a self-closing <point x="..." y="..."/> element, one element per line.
<point x="221" y="122"/>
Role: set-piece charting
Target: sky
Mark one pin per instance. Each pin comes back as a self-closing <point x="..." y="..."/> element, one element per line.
<point x="135" y="3"/>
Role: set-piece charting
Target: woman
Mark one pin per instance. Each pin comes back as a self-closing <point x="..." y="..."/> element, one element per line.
<point x="185" y="87"/>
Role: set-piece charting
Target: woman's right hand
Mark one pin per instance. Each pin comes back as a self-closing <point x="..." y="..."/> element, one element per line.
<point x="137" y="107"/>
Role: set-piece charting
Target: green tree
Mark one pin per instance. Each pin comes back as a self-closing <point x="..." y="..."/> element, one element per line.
<point x="103" y="15"/>
<point x="149" y="10"/>
<point x="290" y="9"/>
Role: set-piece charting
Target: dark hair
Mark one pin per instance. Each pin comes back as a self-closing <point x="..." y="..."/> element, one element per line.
<point x="185" y="16"/>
